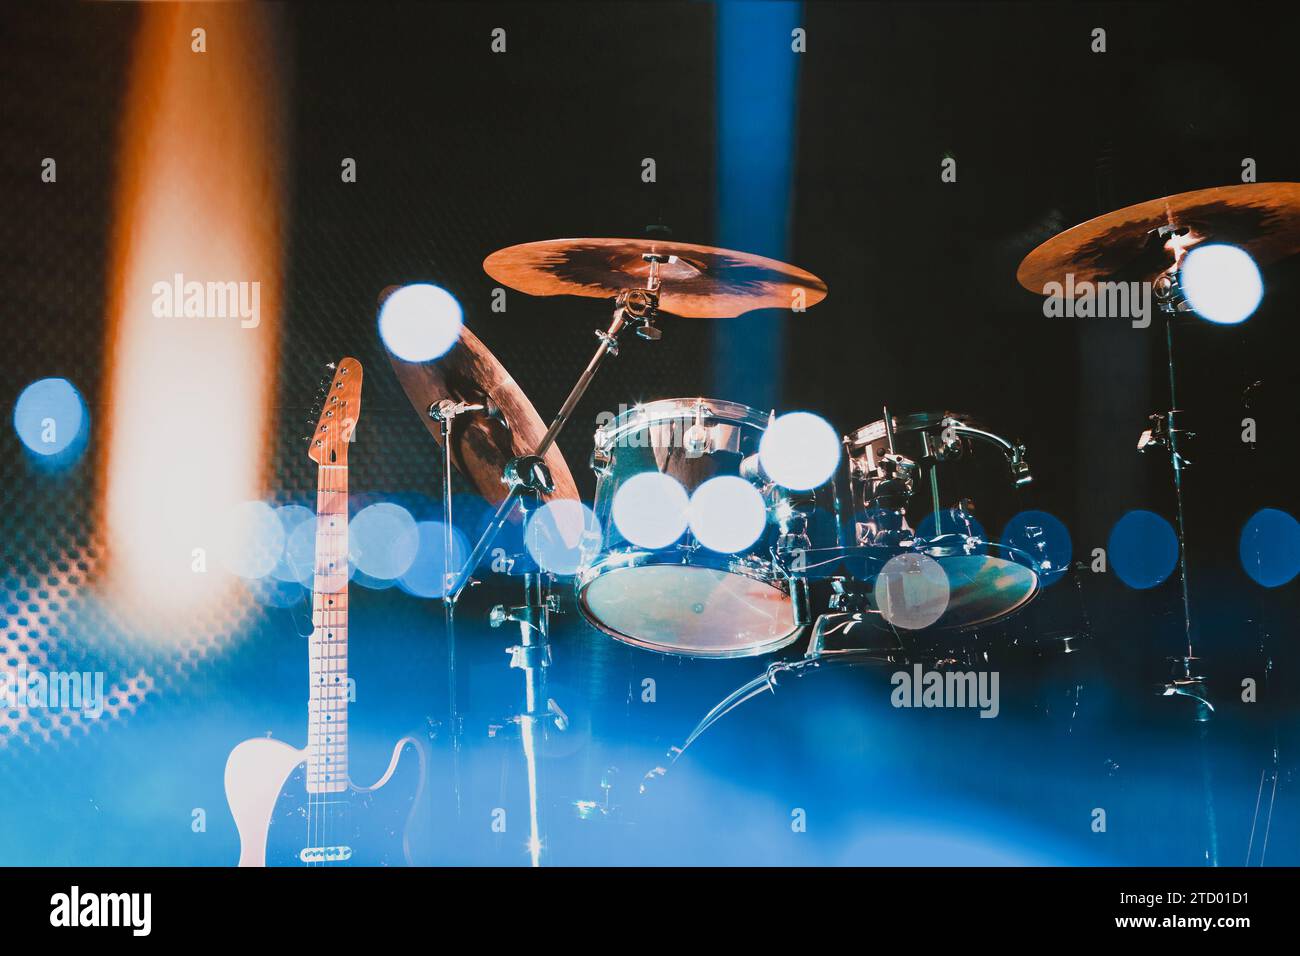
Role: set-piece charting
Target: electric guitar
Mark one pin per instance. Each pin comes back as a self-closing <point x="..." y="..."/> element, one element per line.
<point x="299" y="806"/>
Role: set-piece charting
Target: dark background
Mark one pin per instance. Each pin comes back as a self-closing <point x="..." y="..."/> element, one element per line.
<point x="461" y="152"/>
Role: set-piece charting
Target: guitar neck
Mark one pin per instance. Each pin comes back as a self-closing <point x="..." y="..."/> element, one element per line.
<point x="327" y="729"/>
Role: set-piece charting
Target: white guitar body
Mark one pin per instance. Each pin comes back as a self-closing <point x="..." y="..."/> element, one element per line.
<point x="257" y="777"/>
<point x="293" y="806"/>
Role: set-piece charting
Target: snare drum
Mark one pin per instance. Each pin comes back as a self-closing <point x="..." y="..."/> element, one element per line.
<point x="687" y="599"/>
<point x="940" y="484"/>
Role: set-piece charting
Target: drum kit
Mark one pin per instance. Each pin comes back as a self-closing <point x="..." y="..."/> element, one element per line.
<point x="902" y="519"/>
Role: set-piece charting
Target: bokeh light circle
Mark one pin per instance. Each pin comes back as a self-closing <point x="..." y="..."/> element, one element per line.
<point x="49" y="415"/>
<point x="727" y="514"/>
<point x="650" y="509"/>
<point x="799" y="451"/>
<point x="382" y="541"/>
<point x="1222" y="283"/>
<point x="420" y="322"/>
<point x="1046" y="540"/>
<point x="556" y="533"/>
<point x="299" y="553"/>
<point x="912" y="591"/>
<point x="427" y="576"/>
<point x="1270" y="547"/>
<point x="251" y="540"/>
<point x="1142" y="549"/>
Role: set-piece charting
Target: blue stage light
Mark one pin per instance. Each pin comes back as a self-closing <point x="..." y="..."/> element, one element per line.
<point x="1045" y="539"/>
<point x="1270" y="547"/>
<point x="49" y="416"/>
<point x="1143" y="549"/>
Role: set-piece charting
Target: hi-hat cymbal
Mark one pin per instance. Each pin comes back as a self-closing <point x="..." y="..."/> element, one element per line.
<point x="702" y="282"/>
<point x="1123" y="246"/>
<point x="481" y="443"/>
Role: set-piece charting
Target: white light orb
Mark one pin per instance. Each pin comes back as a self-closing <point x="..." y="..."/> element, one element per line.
<point x="650" y="509"/>
<point x="1222" y="283"/>
<point x="799" y="451"/>
<point x="420" y="322"/>
<point x="727" y="514"/>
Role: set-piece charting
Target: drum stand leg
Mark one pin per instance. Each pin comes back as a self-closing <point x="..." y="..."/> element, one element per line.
<point x="527" y="478"/>
<point x="532" y="655"/>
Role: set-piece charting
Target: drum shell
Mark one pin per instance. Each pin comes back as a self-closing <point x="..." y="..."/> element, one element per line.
<point x="694" y="440"/>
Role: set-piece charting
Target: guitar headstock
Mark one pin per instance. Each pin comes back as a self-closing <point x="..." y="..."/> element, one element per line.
<point x="339" y="411"/>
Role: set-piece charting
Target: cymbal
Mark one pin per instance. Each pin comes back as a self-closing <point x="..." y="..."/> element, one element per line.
<point x="481" y="443"/>
<point x="1262" y="218"/>
<point x="703" y="282"/>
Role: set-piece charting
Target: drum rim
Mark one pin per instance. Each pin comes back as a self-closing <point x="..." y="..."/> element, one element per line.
<point x="652" y="413"/>
<point x="1015" y="557"/>
<point x="763" y="573"/>
<point x="906" y="424"/>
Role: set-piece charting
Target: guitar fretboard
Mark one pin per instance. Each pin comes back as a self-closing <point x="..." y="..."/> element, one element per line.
<point x="327" y="706"/>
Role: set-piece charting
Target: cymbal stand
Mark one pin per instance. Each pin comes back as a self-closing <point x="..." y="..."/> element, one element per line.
<point x="1170" y="299"/>
<point x="1168" y="434"/>
<point x="637" y="307"/>
<point x="527" y="479"/>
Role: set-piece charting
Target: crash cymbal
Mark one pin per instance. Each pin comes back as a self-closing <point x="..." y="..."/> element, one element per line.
<point x="481" y="443"/>
<point x="1122" y="246"/>
<point x="702" y="282"/>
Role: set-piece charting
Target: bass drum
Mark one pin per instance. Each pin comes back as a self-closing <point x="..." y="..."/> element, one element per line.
<point x="819" y="762"/>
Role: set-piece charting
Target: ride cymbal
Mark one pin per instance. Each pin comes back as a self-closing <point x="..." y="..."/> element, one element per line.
<point x="1126" y="245"/>
<point x="697" y="282"/>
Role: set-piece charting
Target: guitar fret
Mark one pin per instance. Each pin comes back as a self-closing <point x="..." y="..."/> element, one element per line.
<point x="327" y="651"/>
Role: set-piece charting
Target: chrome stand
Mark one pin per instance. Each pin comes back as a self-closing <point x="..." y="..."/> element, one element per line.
<point x="445" y="412"/>
<point x="527" y="479"/>
<point x="1167" y="434"/>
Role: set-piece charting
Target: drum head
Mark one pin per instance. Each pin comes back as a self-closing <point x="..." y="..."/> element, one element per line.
<point x="983" y="588"/>
<point x="690" y="610"/>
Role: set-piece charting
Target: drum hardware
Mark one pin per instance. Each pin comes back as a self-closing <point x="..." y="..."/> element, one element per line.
<point x="705" y="282"/>
<point x="445" y="412"/>
<point x="686" y="599"/>
<point x="1170" y="299"/>
<point x="723" y="284"/>
<point x="988" y="581"/>
<point x="1149" y="241"/>
<point x="603" y="809"/>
